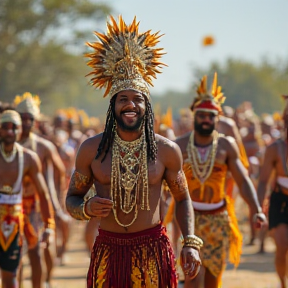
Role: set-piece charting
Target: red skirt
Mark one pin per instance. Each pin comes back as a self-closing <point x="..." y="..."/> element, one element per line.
<point x="135" y="260"/>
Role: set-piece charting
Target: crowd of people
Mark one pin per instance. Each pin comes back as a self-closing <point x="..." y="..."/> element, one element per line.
<point x="157" y="192"/>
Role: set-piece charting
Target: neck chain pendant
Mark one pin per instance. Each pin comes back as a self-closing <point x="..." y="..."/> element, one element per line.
<point x="129" y="177"/>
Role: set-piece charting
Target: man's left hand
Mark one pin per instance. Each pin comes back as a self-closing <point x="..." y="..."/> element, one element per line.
<point x="190" y="262"/>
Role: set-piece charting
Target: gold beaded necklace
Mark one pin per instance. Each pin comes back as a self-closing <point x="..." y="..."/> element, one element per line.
<point x="129" y="176"/>
<point x="202" y="169"/>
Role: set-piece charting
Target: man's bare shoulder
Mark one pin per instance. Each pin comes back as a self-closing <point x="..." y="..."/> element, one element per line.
<point x="227" y="142"/>
<point x="226" y="121"/>
<point x="30" y="156"/>
<point x="91" y="144"/>
<point x="183" y="140"/>
<point x="168" y="151"/>
<point x="164" y="143"/>
<point x="44" y="143"/>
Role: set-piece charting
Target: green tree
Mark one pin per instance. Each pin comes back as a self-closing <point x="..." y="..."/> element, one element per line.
<point x="260" y="84"/>
<point x="40" y="52"/>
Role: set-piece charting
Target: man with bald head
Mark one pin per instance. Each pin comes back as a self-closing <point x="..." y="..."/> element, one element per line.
<point x="16" y="162"/>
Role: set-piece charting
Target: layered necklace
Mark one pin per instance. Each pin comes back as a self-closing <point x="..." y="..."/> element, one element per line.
<point x="8" y="157"/>
<point x="129" y="177"/>
<point x="202" y="166"/>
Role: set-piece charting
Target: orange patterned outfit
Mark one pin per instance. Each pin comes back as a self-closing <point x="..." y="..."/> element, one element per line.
<point x="143" y="259"/>
<point x="217" y="228"/>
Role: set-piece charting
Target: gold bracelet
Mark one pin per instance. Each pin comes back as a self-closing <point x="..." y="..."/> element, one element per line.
<point x="83" y="205"/>
<point x="192" y="241"/>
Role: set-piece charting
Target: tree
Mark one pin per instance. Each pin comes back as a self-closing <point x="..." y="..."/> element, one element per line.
<point x="243" y="81"/>
<point x="39" y="48"/>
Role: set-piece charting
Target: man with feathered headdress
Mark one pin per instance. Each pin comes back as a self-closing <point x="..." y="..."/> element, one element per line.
<point x="132" y="248"/>
<point x="27" y="106"/>
<point x="208" y="156"/>
<point x="275" y="160"/>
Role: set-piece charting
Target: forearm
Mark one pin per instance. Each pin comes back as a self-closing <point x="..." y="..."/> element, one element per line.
<point x="75" y="207"/>
<point x="46" y="209"/>
<point x="75" y="204"/>
<point x="261" y="191"/>
<point x="185" y="216"/>
<point x="249" y="195"/>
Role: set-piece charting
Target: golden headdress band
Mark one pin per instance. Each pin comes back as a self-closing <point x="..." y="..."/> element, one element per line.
<point x="208" y="101"/>
<point x="28" y="104"/>
<point x="124" y="58"/>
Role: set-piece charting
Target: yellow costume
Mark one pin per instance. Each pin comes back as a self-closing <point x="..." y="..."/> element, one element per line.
<point x="215" y="220"/>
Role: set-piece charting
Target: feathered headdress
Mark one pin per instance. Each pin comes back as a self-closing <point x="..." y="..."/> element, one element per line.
<point x="124" y="58"/>
<point x="28" y="104"/>
<point x="208" y="101"/>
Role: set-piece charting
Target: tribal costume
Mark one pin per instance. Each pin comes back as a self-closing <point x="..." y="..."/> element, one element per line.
<point x="141" y="259"/>
<point x="125" y="59"/>
<point x="11" y="214"/>
<point x="32" y="219"/>
<point x="215" y="222"/>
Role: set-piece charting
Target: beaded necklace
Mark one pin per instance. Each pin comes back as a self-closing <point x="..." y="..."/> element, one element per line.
<point x="8" y="157"/>
<point x="202" y="169"/>
<point x="129" y="176"/>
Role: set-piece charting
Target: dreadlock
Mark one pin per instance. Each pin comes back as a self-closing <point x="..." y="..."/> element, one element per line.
<point x="108" y="134"/>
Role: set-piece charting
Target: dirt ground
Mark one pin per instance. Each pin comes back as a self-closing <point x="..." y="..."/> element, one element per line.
<point x="255" y="270"/>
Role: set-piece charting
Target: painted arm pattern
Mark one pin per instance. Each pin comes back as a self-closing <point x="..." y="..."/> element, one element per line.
<point x="78" y="187"/>
<point x="178" y="186"/>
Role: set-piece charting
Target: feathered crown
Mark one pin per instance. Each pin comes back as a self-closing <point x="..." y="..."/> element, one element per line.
<point x="28" y="104"/>
<point x="208" y="101"/>
<point x="124" y="58"/>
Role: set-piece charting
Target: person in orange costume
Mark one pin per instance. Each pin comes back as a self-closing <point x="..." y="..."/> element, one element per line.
<point x="208" y="156"/>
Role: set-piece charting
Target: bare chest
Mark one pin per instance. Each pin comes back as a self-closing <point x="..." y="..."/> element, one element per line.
<point x="8" y="172"/>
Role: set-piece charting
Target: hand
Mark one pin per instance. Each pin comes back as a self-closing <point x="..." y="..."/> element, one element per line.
<point x="190" y="262"/>
<point x="47" y="237"/>
<point x="98" y="207"/>
<point x="259" y="220"/>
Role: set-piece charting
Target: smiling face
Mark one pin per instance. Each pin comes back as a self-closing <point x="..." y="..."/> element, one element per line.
<point x="130" y="107"/>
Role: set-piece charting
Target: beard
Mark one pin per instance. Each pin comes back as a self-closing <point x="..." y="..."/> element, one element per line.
<point x="135" y="127"/>
<point x="204" y="131"/>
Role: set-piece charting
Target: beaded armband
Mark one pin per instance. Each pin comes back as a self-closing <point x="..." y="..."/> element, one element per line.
<point x="192" y="241"/>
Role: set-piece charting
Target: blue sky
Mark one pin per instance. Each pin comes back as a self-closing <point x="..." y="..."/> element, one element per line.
<point x="246" y="29"/>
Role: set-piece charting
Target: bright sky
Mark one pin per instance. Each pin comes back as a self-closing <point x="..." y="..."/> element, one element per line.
<point x="246" y="29"/>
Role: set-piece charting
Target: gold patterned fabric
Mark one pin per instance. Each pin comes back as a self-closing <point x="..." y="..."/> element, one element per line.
<point x="135" y="260"/>
<point x="216" y="182"/>
<point x="11" y="223"/>
<point x="214" y="230"/>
